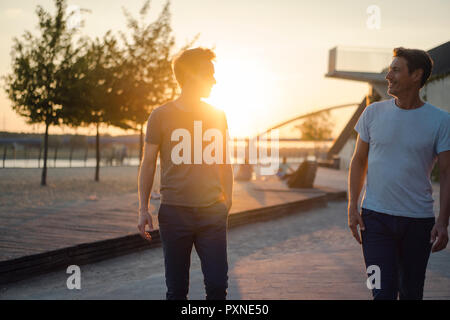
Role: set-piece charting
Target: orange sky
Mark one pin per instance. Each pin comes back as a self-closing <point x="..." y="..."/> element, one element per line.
<point x="271" y="55"/>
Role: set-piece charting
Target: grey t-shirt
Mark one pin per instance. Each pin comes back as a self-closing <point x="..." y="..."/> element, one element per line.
<point x="185" y="181"/>
<point x="403" y="147"/>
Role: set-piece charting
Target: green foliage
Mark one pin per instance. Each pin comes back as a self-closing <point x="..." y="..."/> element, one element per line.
<point x="147" y="71"/>
<point x="317" y="127"/>
<point x="93" y="85"/>
<point x="58" y="82"/>
<point x="38" y="64"/>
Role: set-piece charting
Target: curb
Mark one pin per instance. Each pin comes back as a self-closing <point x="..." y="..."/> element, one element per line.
<point x="33" y="265"/>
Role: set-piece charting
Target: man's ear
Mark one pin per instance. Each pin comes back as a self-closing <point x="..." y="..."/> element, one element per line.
<point x="417" y="75"/>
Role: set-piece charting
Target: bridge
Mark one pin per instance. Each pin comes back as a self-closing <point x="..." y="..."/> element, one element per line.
<point x="336" y="145"/>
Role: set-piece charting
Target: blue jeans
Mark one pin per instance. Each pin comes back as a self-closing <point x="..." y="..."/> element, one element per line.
<point x="400" y="247"/>
<point x="205" y="228"/>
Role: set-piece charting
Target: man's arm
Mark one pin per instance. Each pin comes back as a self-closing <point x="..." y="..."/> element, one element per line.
<point x="440" y="228"/>
<point x="145" y="183"/>
<point x="356" y="177"/>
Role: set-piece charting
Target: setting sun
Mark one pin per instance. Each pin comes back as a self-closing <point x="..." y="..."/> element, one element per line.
<point x="244" y="91"/>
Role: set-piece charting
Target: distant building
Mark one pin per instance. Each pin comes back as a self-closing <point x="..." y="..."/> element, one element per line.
<point x="343" y="64"/>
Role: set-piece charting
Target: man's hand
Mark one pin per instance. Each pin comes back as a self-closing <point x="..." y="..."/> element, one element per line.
<point x="144" y="219"/>
<point x="355" y="219"/>
<point x="440" y="232"/>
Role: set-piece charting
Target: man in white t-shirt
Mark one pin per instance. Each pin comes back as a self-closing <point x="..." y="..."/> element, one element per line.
<point x="398" y="144"/>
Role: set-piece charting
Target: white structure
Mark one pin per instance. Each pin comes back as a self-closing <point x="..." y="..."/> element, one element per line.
<point x="437" y="92"/>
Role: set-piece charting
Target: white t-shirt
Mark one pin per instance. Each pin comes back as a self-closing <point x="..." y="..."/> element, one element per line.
<point x="403" y="147"/>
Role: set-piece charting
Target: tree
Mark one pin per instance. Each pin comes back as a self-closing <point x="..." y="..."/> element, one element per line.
<point x="147" y="66"/>
<point x="38" y="64"/>
<point x="317" y="127"/>
<point x="93" y="89"/>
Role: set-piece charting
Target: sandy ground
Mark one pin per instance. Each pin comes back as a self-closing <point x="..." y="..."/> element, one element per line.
<point x="20" y="187"/>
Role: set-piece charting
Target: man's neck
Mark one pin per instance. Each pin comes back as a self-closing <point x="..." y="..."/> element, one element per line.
<point x="410" y="100"/>
<point x="188" y="102"/>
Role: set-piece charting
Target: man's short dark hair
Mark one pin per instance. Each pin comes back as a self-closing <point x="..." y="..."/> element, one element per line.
<point x="189" y="61"/>
<point x="416" y="59"/>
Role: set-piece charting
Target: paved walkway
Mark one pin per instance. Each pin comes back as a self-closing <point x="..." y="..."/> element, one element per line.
<point x="310" y="255"/>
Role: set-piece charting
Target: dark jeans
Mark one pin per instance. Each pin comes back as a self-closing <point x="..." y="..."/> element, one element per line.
<point x="400" y="247"/>
<point x="204" y="227"/>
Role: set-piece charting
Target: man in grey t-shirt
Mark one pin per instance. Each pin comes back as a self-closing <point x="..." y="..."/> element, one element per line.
<point x="398" y="143"/>
<point x="196" y="179"/>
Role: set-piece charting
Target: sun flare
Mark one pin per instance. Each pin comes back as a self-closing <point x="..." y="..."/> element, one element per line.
<point x="243" y="91"/>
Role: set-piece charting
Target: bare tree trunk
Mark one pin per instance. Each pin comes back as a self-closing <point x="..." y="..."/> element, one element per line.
<point x="97" y="150"/>
<point x="44" y="169"/>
